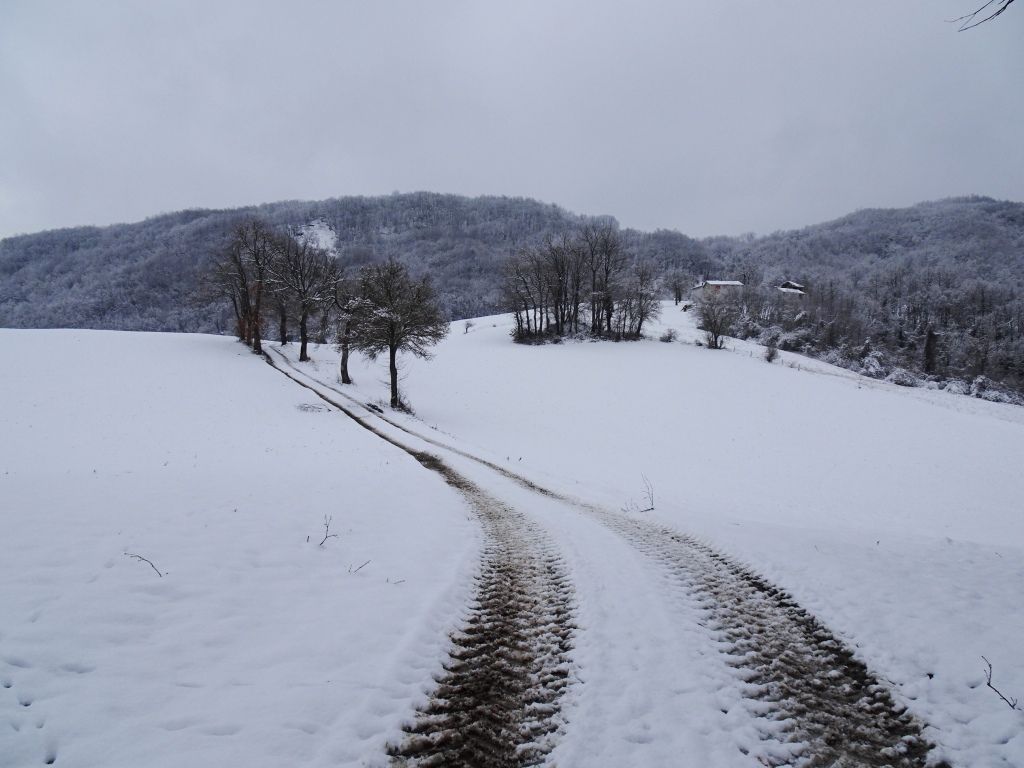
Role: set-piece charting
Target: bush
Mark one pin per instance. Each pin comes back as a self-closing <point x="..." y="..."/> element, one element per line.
<point x="668" y="336"/>
<point x="902" y="378"/>
<point x="771" y="352"/>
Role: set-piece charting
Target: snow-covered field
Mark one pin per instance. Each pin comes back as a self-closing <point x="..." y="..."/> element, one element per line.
<point x="892" y="515"/>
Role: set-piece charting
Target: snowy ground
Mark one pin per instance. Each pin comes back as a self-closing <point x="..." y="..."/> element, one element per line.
<point x="890" y="514"/>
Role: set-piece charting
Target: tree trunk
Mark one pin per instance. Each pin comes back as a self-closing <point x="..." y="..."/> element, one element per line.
<point x="345" y="378"/>
<point x="930" y="345"/>
<point x="303" y="335"/>
<point x="394" y="375"/>
<point x="345" y="333"/>
<point x="282" y="321"/>
<point x="257" y="318"/>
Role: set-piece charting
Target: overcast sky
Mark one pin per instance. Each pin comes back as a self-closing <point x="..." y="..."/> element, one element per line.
<point x="710" y="118"/>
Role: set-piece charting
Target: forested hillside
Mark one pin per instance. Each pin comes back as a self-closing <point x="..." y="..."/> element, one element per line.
<point x="143" y="276"/>
<point x="931" y="292"/>
<point x="936" y="290"/>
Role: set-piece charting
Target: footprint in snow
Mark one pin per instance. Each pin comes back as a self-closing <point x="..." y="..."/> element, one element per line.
<point x="222" y="729"/>
<point x="78" y="669"/>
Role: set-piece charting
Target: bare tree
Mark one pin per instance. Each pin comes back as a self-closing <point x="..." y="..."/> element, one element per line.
<point x="349" y="307"/>
<point x="526" y="292"/>
<point x="253" y="240"/>
<point x="679" y="282"/>
<point x="306" y="275"/>
<point x="605" y="257"/>
<point x="638" y="301"/>
<point x="644" y="287"/>
<point x="716" y="315"/>
<point x="227" y="278"/>
<point x="239" y="274"/>
<point x="403" y="315"/>
<point x="279" y="300"/>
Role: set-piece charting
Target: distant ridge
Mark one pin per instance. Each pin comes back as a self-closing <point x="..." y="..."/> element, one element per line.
<point x="936" y="288"/>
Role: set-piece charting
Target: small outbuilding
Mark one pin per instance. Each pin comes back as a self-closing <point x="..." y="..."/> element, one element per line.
<point x="793" y="290"/>
<point x="716" y="288"/>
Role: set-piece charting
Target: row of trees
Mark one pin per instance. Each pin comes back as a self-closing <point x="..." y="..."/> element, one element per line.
<point x="579" y="282"/>
<point x="265" y="272"/>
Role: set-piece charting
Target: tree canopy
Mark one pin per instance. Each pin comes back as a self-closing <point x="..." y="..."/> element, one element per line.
<point x="401" y="314"/>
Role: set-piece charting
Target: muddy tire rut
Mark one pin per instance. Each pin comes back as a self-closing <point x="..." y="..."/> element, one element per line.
<point x="497" y="704"/>
<point x="830" y="706"/>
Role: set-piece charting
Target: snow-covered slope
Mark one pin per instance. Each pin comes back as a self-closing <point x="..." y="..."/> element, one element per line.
<point x="890" y="514"/>
<point x="256" y="646"/>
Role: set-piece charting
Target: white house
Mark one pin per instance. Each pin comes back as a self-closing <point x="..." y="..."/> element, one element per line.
<point x="716" y="288"/>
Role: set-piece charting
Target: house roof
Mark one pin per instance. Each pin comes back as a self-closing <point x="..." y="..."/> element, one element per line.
<point x="791" y="284"/>
<point x="792" y="290"/>
<point x="718" y="282"/>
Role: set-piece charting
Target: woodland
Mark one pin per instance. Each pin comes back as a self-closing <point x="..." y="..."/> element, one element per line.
<point x="928" y="295"/>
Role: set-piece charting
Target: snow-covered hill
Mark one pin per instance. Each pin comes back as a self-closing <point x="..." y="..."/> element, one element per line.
<point x="892" y="515"/>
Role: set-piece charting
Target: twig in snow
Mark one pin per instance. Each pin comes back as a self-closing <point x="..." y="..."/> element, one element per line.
<point x="357" y="570"/>
<point x="648" y="494"/>
<point x="327" y="530"/>
<point x="1012" y="704"/>
<point x="140" y="557"/>
<point x="632" y="506"/>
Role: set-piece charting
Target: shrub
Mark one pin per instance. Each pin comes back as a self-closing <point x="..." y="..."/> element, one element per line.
<point x="902" y="378"/>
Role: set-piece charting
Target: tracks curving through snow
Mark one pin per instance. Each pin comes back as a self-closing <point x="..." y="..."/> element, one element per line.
<point x="498" y="704"/>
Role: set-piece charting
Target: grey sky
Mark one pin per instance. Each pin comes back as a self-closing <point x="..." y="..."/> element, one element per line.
<point x="709" y="118"/>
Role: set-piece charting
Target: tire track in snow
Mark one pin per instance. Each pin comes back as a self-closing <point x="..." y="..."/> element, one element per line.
<point x="498" y="702"/>
<point x="823" y="695"/>
<point x="832" y="709"/>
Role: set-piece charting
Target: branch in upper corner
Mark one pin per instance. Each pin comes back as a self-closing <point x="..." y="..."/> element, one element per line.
<point x="1011" y="703"/>
<point x="968" y="21"/>
<point x="140" y="557"/>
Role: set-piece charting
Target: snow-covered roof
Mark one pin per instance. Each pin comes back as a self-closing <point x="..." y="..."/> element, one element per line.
<point x="718" y="282"/>
<point x="792" y="290"/>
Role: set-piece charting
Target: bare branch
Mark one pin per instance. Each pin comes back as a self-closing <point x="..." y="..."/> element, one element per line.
<point x="968" y="21"/>
<point x="648" y="494"/>
<point x="140" y="557"/>
<point x="327" y="530"/>
<point x="357" y="570"/>
<point x="1011" y="703"/>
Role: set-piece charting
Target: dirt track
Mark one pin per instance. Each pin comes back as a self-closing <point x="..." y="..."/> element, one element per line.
<point x="498" y="703"/>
